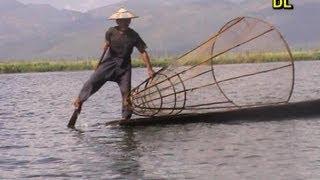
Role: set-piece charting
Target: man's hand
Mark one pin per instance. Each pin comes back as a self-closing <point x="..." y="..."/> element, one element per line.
<point x="105" y="46"/>
<point x="151" y="73"/>
<point x="146" y="60"/>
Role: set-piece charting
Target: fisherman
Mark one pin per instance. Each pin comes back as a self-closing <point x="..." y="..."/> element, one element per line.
<point x="116" y="65"/>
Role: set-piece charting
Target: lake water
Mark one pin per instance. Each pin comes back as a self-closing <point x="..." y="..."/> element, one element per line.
<point x="35" y="143"/>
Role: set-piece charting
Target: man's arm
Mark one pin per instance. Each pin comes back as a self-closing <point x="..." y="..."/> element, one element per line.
<point x="105" y="46"/>
<point x="146" y="60"/>
<point x="105" y="49"/>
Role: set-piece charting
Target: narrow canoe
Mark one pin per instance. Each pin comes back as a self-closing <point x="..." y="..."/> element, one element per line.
<point x="305" y="109"/>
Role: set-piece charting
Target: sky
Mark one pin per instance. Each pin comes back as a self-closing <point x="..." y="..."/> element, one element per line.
<point x="79" y="5"/>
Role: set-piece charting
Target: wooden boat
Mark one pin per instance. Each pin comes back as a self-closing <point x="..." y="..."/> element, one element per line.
<point x="306" y="109"/>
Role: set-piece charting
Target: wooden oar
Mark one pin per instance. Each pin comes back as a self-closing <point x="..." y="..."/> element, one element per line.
<point x="77" y="111"/>
<point x="74" y="117"/>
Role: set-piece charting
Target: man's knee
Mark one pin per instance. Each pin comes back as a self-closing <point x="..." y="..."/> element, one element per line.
<point x="91" y="86"/>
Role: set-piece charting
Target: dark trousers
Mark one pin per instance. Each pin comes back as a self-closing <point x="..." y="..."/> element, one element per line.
<point x="109" y="71"/>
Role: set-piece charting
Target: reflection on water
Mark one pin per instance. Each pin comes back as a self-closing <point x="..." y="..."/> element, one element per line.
<point x="35" y="143"/>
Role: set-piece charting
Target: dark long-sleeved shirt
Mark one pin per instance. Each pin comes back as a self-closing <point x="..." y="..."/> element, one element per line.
<point x="121" y="45"/>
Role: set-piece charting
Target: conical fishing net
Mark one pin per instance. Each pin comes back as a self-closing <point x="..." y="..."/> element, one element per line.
<point x="246" y="64"/>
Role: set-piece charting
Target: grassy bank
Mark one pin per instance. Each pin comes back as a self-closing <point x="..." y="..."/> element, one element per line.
<point x="267" y="57"/>
<point x="51" y="66"/>
<point x="236" y="58"/>
<point x="48" y="66"/>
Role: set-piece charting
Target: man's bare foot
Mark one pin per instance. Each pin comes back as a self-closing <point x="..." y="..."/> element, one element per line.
<point x="77" y="103"/>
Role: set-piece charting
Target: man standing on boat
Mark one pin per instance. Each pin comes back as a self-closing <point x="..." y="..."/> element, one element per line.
<point x="116" y="66"/>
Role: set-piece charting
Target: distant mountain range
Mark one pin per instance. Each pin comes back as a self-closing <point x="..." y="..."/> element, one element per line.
<point x="168" y="26"/>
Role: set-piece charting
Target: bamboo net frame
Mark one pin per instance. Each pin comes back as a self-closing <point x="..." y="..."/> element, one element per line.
<point x="230" y="70"/>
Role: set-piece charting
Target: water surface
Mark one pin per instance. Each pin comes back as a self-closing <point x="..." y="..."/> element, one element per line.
<point x="35" y="143"/>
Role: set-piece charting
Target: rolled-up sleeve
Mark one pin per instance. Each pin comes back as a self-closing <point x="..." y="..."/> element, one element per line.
<point x="140" y="44"/>
<point x="108" y="36"/>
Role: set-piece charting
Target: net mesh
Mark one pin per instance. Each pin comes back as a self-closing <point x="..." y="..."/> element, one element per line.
<point x="246" y="64"/>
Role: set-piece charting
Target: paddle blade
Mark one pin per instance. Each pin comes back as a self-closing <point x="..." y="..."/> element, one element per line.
<point x="73" y="118"/>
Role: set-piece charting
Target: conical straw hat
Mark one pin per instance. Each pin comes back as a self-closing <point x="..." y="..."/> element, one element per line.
<point x="122" y="13"/>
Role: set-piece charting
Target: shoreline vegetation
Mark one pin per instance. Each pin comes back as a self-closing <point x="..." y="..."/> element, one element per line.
<point x="89" y="64"/>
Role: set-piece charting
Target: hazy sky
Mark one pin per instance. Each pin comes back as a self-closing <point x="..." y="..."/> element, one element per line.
<point x="80" y="5"/>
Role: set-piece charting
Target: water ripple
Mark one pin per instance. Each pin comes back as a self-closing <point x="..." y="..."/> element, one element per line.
<point x="35" y="143"/>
